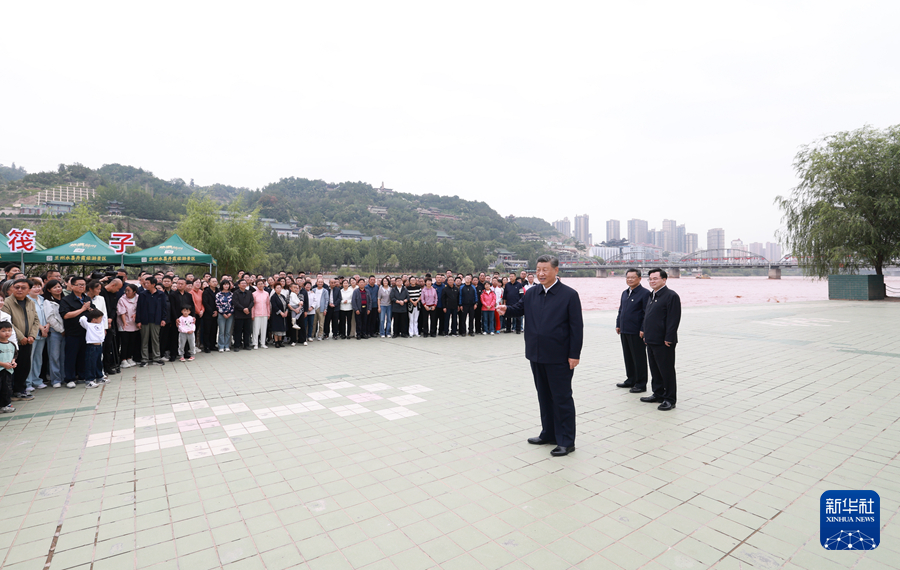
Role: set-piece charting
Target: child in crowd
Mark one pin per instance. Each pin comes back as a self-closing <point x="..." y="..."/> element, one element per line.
<point x="488" y="305"/>
<point x="8" y="352"/>
<point x="92" y="322"/>
<point x="186" y="327"/>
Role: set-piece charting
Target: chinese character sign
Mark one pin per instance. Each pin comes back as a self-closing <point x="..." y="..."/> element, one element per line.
<point x="850" y="520"/>
<point x="120" y="241"/>
<point x="20" y="240"/>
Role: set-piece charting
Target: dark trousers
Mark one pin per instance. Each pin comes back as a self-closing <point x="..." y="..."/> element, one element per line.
<point x="635" y="352"/>
<point x="476" y="314"/>
<point x="23" y="367"/>
<point x="110" y="351"/>
<point x="554" y="388"/>
<point x="166" y="342"/>
<point x="442" y="321"/>
<point x="345" y="323"/>
<point x="209" y="332"/>
<point x="451" y="321"/>
<point x="131" y="345"/>
<point x="362" y="320"/>
<point x="5" y="387"/>
<point x="241" y="333"/>
<point x="514" y="324"/>
<point x="373" y="322"/>
<point x="74" y="358"/>
<point x="430" y="322"/>
<point x="662" y="371"/>
<point x="401" y="323"/>
<point x="212" y="334"/>
<point x="329" y="320"/>
<point x="467" y="315"/>
<point x="336" y="329"/>
<point x="300" y="320"/>
<point x="93" y="361"/>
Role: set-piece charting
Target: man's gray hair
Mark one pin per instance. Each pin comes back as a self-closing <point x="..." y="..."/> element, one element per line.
<point x="551" y="259"/>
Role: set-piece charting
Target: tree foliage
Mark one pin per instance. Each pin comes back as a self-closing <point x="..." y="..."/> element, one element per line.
<point x="236" y="243"/>
<point x="845" y="213"/>
<point x="11" y="173"/>
<point x="55" y="231"/>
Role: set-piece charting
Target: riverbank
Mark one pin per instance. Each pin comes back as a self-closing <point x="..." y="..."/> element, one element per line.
<point x="603" y="294"/>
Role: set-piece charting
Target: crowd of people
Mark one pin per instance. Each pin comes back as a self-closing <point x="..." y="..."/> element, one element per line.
<point x="66" y="331"/>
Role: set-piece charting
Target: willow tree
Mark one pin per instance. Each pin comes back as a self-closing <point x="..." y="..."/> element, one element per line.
<point x="845" y="213"/>
<point x="237" y="242"/>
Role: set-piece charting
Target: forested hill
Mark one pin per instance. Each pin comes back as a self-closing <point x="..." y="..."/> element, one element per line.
<point x="315" y="203"/>
<point x="395" y="215"/>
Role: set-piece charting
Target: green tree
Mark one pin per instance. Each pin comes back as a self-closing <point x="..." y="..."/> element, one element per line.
<point x="845" y="213"/>
<point x="55" y="231"/>
<point x="236" y="243"/>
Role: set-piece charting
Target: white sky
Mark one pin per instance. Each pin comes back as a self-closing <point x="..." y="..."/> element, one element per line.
<point x="642" y="109"/>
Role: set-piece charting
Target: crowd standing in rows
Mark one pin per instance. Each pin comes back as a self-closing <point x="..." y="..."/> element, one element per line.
<point x="65" y="331"/>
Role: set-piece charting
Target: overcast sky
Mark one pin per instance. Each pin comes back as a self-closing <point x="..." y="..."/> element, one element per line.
<point x="691" y="111"/>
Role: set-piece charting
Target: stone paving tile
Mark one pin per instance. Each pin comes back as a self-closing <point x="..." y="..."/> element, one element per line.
<point x="411" y="454"/>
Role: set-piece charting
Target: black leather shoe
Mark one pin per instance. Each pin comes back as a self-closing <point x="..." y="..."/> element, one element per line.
<point x="539" y="441"/>
<point x="624" y="385"/>
<point x="651" y="399"/>
<point x="559" y="450"/>
<point x="666" y="406"/>
<point x="636" y="390"/>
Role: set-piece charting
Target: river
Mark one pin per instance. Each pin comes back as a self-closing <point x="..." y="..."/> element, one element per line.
<point x="604" y="294"/>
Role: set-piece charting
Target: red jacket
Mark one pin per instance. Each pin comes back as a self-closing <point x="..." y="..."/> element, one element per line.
<point x="488" y="300"/>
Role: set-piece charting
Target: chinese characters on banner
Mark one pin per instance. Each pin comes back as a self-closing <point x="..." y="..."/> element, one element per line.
<point x="20" y="240"/>
<point x="120" y="241"/>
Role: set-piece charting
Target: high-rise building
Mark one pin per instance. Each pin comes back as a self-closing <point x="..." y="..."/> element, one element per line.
<point x="680" y="244"/>
<point x="637" y="231"/>
<point x="590" y="240"/>
<point x="669" y="228"/>
<point x="715" y="239"/>
<point x="582" y="229"/>
<point x="612" y="230"/>
<point x="773" y="252"/>
<point x="691" y="243"/>
<point x="654" y="237"/>
<point x="757" y="248"/>
<point x="738" y="245"/>
<point x="563" y="226"/>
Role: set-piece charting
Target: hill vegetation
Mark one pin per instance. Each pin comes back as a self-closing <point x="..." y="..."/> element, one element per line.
<point x="404" y="227"/>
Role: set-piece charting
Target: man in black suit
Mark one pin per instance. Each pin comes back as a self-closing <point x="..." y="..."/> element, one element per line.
<point x="553" y="342"/>
<point x="628" y="327"/>
<point x="660" y="334"/>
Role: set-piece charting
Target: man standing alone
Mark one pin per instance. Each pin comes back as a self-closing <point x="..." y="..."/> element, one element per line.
<point x="660" y="334"/>
<point x="553" y="343"/>
<point x="628" y="327"/>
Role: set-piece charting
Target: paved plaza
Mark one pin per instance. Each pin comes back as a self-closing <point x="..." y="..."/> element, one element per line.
<point x="411" y="453"/>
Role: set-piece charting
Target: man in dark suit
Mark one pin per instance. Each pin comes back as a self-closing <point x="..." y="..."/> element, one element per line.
<point x="553" y="342"/>
<point x="628" y="327"/>
<point x="660" y="334"/>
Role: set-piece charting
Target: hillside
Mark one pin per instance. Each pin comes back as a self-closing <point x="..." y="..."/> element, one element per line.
<point x="411" y="221"/>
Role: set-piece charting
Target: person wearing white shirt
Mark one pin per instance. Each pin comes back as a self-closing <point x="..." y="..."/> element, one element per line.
<point x="33" y="381"/>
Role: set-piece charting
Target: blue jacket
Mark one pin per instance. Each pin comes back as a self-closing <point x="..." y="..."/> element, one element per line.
<point x="440" y="293"/>
<point x="631" y="310"/>
<point x="555" y="331"/>
<point x="372" y="295"/>
<point x="662" y="317"/>
<point x="512" y="292"/>
<point x="152" y="308"/>
<point x="468" y="295"/>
